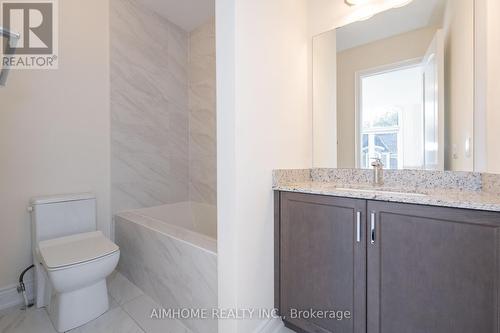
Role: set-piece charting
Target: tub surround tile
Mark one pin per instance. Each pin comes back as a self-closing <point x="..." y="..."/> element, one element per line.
<point x="163" y="115"/>
<point x="149" y="108"/>
<point x="173" y="273"/>
<point x="467" y="190"/>
<point x="202" y="115"/>
<point x="194" y="238"/>
<point x="140" y="309"/>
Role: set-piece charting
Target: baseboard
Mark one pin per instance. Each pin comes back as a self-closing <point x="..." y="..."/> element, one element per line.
<point x="9" y="297"/>
<point x="272" y="325"/>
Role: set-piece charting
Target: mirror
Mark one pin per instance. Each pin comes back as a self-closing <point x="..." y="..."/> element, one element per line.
<point x="398" y="86"/>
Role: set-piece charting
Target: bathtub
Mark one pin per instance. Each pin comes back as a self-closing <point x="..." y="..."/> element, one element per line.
<point x="170" y="253"/>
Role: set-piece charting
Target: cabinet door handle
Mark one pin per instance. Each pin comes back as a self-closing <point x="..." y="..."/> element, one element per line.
<point x="372" y="228"/>
<point x="358" y="227"/>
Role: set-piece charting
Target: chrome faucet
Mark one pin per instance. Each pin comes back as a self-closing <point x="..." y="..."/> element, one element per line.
<point x="378" y="172"/>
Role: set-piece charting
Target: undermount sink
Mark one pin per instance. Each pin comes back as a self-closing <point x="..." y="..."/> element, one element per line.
<point x="379" y="191"/>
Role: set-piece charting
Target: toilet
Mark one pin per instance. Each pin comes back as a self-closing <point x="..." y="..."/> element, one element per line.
<point x="72" y="259"/>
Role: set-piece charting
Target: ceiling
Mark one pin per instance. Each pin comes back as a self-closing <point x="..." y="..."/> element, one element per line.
<point x="418" y="14"/>
<point x="187" y="14"/>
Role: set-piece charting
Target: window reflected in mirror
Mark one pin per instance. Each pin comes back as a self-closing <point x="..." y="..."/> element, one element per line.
<point x="399" y="87"/>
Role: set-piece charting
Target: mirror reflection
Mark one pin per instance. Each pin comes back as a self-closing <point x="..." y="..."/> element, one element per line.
<point x="398" y="87"/>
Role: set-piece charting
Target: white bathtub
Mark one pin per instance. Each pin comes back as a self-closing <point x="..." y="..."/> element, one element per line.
<point x="170" y="252"/>
<point x="191" y="222"/>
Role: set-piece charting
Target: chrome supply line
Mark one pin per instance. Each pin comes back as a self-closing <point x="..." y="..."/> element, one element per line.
<point x="9" y="34"/>
<point x="11" y="38"/>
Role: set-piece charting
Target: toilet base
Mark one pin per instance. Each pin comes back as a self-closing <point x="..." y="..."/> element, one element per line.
<point x="76" y="308"/>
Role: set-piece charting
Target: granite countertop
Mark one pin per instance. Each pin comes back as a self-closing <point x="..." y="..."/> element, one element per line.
<point x="477" y="199"/>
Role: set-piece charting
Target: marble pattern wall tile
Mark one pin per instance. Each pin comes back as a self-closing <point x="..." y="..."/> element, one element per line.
<point x="202" y="115"/>
<point x="173" y="273"/>
<point x="149" y="108"/>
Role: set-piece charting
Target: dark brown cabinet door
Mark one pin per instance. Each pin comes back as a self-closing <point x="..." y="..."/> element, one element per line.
<point x="432" y="270"/>
<point x="322" y="263"/>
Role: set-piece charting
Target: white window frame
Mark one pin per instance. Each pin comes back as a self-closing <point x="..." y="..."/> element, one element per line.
<point x="359" y="75"/>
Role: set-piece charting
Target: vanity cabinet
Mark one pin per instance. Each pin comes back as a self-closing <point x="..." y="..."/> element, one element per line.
<point x="322" y="265"/>
<point x="395" y="267"/>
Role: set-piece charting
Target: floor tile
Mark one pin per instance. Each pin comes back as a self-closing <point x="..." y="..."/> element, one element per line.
<point x="112" y="302"/>
<point x="121" y="289"/>
<point x="283" y="329"/>
<point x="113" y="321"/>
<point x="140" y="310"/>
<point x="32" y="320"/>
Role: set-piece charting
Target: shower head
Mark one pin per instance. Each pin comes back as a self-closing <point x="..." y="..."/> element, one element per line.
<point x="9" y="40"/>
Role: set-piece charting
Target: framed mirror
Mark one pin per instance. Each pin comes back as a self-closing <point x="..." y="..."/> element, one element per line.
<point x="398" y="86"/>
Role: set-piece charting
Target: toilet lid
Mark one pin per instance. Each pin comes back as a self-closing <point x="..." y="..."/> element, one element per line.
<point x="75" y="249"/>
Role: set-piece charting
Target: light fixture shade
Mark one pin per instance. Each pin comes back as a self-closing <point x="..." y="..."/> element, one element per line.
<point x="402" y="3"/>
<point x="397" y="3"/>
<point x="356" y="2"/>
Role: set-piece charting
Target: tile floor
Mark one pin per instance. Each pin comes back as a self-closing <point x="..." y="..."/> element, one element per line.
<point x="129" y="312"/>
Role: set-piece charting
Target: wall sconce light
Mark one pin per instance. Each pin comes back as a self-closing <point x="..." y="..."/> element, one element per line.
<point x="395" y="3"/>
<point x="356" y="2"/>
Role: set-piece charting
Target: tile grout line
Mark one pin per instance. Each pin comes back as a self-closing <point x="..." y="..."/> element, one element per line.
<point x="122" y="306"/>
<point x="187" y="329"/>
<point x="132" y="318"/>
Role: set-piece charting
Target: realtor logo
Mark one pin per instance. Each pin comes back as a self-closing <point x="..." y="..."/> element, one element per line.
<point x="35" y="24"/>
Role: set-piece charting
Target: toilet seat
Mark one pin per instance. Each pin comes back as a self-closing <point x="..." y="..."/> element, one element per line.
<point x="64" y="252"/>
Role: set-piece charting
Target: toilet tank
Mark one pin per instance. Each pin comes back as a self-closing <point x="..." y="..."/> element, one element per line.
<point x="62" y="215"/>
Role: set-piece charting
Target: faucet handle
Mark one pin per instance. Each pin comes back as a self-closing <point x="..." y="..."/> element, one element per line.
<point x="377" y="162"/>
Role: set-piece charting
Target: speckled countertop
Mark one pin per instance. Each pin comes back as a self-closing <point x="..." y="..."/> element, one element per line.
<point x="465" y="190"/>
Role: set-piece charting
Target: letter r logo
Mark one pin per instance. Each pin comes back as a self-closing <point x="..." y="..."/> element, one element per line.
<point x="34" y="22"/>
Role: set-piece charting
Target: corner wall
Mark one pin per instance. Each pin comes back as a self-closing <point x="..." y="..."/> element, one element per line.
<point x="54" y="130"/>
<point x="493" y="86"/>
<point x="202" y="115"/>
<point x="459" y="75"/>
<point x="264" y="123"/>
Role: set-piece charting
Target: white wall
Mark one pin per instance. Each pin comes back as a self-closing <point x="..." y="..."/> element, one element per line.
<point x="225" y="26"/>
<point x="264" y="123"/>
<point x="324" y="77"/>
<point x="493" y="86"/>
<point x="54" y="130"/>
<point x="459" y="77"/>
<point x="264" y="67"/>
